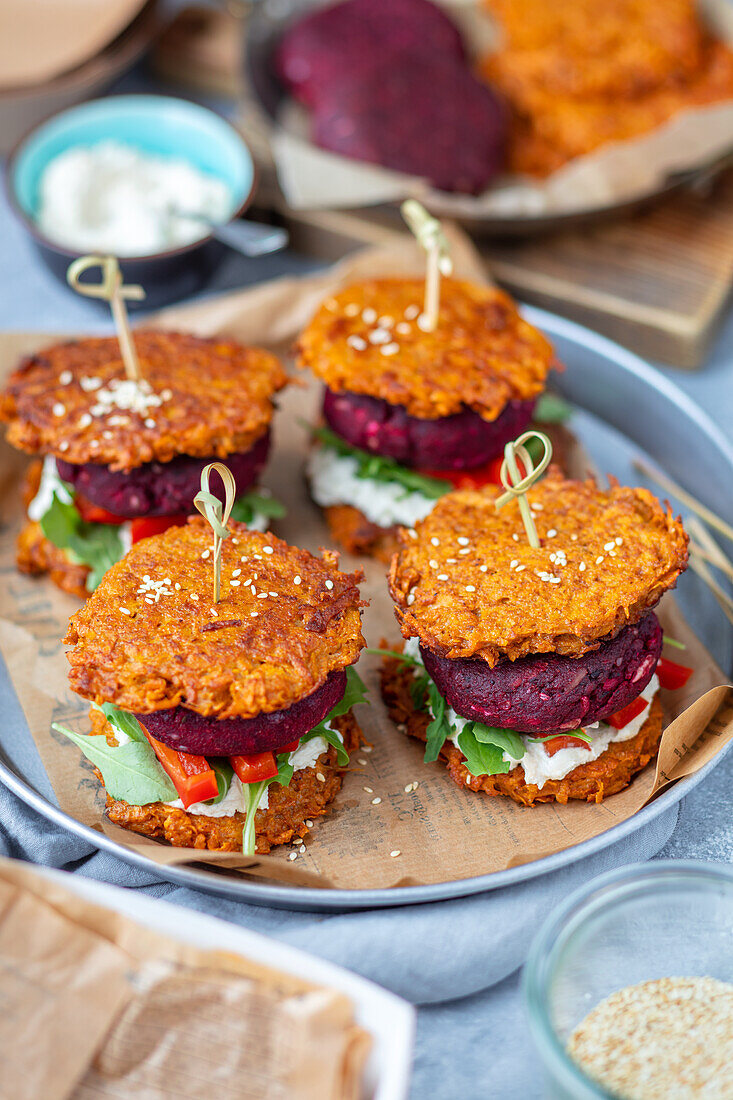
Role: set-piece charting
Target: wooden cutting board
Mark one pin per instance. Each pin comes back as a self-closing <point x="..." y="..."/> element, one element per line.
<point x="656" y="281"/>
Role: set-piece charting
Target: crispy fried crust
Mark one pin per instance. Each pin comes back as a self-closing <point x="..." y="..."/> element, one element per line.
<point x="609" y="774"/>
<point x="474" y="602"/>
<point x="576" y="76"/>
<point x="351" y="529"/>
<point x="481" y="355"/>
<point x="215" y="399"/>
<point x="288" y="809"/>
<point x="248" y="655"/>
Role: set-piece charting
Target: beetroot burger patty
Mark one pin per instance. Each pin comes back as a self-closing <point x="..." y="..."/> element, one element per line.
<point x="187" y="731"/>
<point x="456" y="442"/>
<point x="547" y="692"/>
<point x="159" y="488"/>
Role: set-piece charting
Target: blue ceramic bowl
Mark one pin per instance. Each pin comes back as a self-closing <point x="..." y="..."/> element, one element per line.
<point x="155" y="124"/>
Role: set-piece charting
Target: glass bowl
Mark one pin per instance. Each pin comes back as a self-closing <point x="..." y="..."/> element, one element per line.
<point x="673" y="918"/>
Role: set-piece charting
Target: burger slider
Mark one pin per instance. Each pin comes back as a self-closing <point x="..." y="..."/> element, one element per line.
<point x="409" y="412"/>
<point x="534" y="672"/>
<point x="223" y="726"/>
<point x="122" y="458"/>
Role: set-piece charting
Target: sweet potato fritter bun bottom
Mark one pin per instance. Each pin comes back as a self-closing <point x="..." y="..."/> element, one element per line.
<point x="284" y="818"/>
<point x="608" y="774"/>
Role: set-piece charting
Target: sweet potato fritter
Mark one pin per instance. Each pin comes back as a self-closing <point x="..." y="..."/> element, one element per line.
<point x="358" y="535"/>
<point x="481" y="355"/>
<point x="609" y="773"/>
<point x="256" y="651"/>
<point x="198" y="397"/>
<point x="285" y="816"/>
<point x="605" y="558"/>
<point x="577" y="76"/>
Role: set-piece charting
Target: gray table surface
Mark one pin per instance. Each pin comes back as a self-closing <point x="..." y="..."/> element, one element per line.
<point x="459" y="1043"/>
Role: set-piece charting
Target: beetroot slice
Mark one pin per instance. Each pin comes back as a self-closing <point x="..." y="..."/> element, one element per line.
<point x="186" y="731"/>
<point x="457" y="442"/>
<point x="160" y="488"/>
<point x="546" y="693"/>
<point x="346" y="39"/>
<point x="428" y="117"/>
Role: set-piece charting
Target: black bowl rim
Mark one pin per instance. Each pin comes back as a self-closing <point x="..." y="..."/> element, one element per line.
<point x="41" y="239"/>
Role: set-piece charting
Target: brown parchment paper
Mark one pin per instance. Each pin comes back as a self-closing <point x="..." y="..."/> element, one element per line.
<point x="95" y="1005"/>
<point x="441" y="832"/>
<point x="312" y="178"/>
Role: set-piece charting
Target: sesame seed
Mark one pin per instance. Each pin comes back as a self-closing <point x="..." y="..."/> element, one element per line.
<point x="411" y="595"/>
<point x="302" y="849"/>
<point x="329" y="585"/>
<point x="515" y="536"/>
<point x="248" y="581"/>
<point x="434" y="541"/>
<point x="274" y="595"/>
<point x="261" y="595"/>
<point x="408" y="788"/>
<point x="403" y="328"/>
<point x="380" y="336"/>
<point x="214" y="612"/>
<point x="581" y="567"/>
<point x="320" y="777"/>
<point x="520" y="568"/>
<point x="485" y="568"/>
<point x="513" y="563"/>
<point x="367" y="748"/>
<point x="369" y="315"/>
<point x="376" y="801"/>
<point x="369" y="790"/>
<point x="433" y="563"/>
<point x="451" y="561"/>
<point x="465" y="550"/>
<point x="254" y="614"/>
<point x="267" y="550"/>
<point x="386" y="321"/>
<point x="124" y="611"/>
<point x="551" y="533"/>
<point x="59" y="409"/>
<point x="423" y="322"/>
<point x="106" y="435"/>
<point x="442" y="576"/>
<point x="618" y="541"/>
<point x="395" y="853"/>
<point x="194" y="596"/>
<point x="149" y="422"/>
<point x="236" y="572"/>
<point x="206" y="554"/>
<point x="599" y="559"/>
<point x="90" y="384"/>
<point x="296" y="580"/>
<point x="235" y="584"/>
<point x="356" y="342"/>
<point x="609" y="545"/>
<point x="65" y="377"/>
<point x="253" y="590"/>
<point x="462" y="540"/>
<point x="574" y="537"/>
<point x="64" y="445"/>
<point x="470" y="588"/>
<point x="308" y="823"/>
<point x="390" y="349"/>
<point x="412" y="312"/>
<point x="412" y="532"/>
<point x="351" y="309"/>
<point x="293" y="855"/>
<point x="177" y="586"/>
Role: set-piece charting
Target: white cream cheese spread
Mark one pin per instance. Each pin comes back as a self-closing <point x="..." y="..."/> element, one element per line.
<point x="333" y="480"/>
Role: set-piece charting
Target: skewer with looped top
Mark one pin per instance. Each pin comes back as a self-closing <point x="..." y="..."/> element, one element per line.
<point x="428" y="232"/>
<point x="516" y="485"/>
<point x="216" y="515"/>
<point x="111" y="289"/>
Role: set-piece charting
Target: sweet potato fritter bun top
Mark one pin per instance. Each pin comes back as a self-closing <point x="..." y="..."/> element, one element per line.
<point x="149" y="637"/>
<point x="367" y="339"/>
<point x="469" y="584"/>
<point x="198" y="397"/>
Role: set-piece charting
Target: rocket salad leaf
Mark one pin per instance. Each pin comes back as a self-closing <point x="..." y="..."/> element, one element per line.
<point x="249" y="506"/>
<point x="131" y="772"/>
<point x="379" y="468"/>
<point x="97" y="545"/>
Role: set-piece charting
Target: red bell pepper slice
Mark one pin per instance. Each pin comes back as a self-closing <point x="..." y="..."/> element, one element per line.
<point x="672" y="676"/>
<point x="92" y="513"/>
<point x="191" y="775"/>
<point x="289" y="748"/>
<point x="564" y="741"/>
<point x="475" y="478"/>
<point x="254" y="767"/>
<point x="627" y="714"/>
<point x="146" y="526"/>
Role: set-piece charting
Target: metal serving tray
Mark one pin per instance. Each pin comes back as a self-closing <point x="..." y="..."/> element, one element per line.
<point x="625" y="407"/>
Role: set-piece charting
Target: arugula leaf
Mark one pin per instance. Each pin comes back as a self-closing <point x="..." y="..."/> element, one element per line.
<point x="395" y="653"/>
<point x="97" y="545"/>
<point x="131" y="772"/>
<point x="354" y="694"/>
<point x="418" y="690"/>
<point x="508" y="741"/>
<point x="249" y="505"/>
<point x="122" y="721"/>
<point x="224" y="772"/>
<point x="253" y="793"/>
<point x="481" y="758"/>
<point x="379" y="468"/>
<point x="673" y="642"/>
<point x="439" y="729"/>
<point x="581" y="735"/>
<point x="552" y="409"/>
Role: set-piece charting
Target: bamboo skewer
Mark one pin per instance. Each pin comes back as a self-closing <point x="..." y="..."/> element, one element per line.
<point x="699" y="566"/>
<point x="215" y="515"/>
<point x="676" y="490"/>
<point x="517" y="486"/>
<point x="113" y="290"/>
<point x="429" y="235"/>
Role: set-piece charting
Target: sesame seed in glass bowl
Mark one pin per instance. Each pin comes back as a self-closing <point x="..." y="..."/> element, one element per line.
<point x="629" y="986"/>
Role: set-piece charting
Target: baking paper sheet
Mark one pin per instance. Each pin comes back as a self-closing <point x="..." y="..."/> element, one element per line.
<point x="441" y="831"/>
<point x="314" y="179"/>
